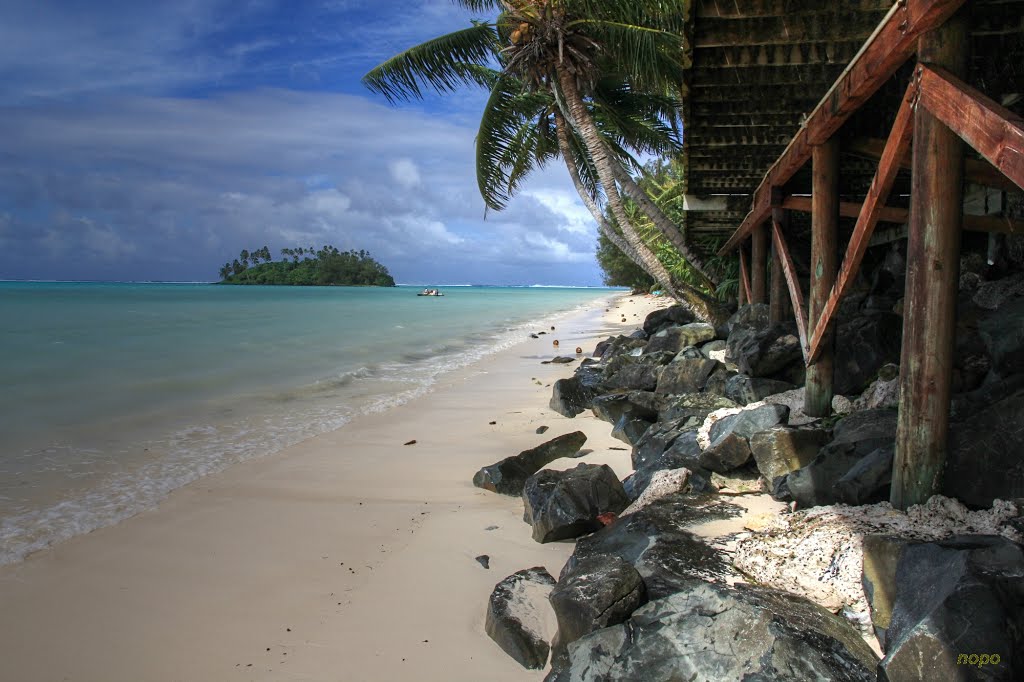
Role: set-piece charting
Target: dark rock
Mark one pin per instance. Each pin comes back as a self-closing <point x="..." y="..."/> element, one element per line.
<point x="634" y="376"/>
<point x="541" y="429"/>
<point x="484" y="561"/>
<point x="509" y="475"/>
<point x="754" y="316"/>
<point x="598" y="592"/>
<point x="675" y="339"/>
<point x="614" y="346"/>
<point x="782" y="449"/>
<point x="742" y="389"/>
<point x="984" y="457"/>
<point x="560" y="360"/>
<point x="658" y="439"/>
<point x="686" y="375"/>
<point x="695" y="406"/>
<point x="749" y="421"/>
<point x="868" y="480"/>
<point x="515" y="615"/>
<point x="666" y="317"/>
<point x="863" y="345"/>
<point x="878" y="577"/>
<point x="716" y="632"/>
<point x="729" y="452"/>
<point x="611" y="406"/>
<point x="654" y="540"/>
<point x="569" y="398"/>
<point x="958" y="597"/>
<point x="630" y="429"/>
<point x="716" y="383"/>
<point x="764" y="352"/>
<point x="683" y="452"/>
<point x="565" y="504"/>
<point x="690" y="353"/>
<point x="855" y="436"/>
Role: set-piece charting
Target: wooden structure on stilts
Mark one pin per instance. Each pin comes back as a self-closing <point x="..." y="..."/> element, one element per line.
<point x="911" y="100"/>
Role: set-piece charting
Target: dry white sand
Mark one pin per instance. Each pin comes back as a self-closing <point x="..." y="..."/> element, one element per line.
<point x="346" y="557"/>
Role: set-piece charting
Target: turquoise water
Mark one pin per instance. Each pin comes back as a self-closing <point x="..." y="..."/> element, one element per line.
<point x="115" y="394"/>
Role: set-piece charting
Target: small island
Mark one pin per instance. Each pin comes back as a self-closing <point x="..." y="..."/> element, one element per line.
<point x="303" y="266"/>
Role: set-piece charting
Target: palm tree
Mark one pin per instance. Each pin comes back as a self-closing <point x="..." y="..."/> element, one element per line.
<point x="557" y="56"/>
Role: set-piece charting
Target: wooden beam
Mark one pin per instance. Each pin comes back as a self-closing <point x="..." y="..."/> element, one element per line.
<point x="870" y="213"/>
<point x="977" y="171"/>
<point x="778" y="297"/>
<point x="892" y="43"/>
<point x="744" y="276"/>
<point x="824" y="254"/>
<point x="892" y="214"/>
<point x="796" y="297"/>
<point x="993" y="130"/>
<point x="929" y="309"/>
<point x="758" y="263"/>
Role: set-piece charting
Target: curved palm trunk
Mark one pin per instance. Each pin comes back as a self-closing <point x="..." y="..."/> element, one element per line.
<point x="643" y="257"/>
<point x="663" y="223"/>
<point x="701" y="304"/>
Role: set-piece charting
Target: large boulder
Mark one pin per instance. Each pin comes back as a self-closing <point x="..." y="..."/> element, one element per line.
<point x="630" y="429"/>
<point x="881" y="557"/>
<point x="614" y="346"/>
<point x="764" y="352"/>
<point x="569" y="397"/>
<point x="715" y="632"/>
<point x="984" y="457"/>
<point x="752" y="315"/>
<point x="685" y="375"/>
<point x="565" y="504"/>
<point x="782" y="449"/>
<point x="598" y="592"/>
<point x="611" y="406"/>
<point x="729" y="452"/>
<point x="863" y="346"/>
<point x="684" y="452"/>
<point x="675" y="339"/>
<point x="656" y="542"/>
<point x="742" y="389"/>
<point x="509" y="475"/>
<point x="749" y="421"/>
<point x="956" y="601"/>
<point x="634" y="372"/>
<point x="869" y="480"/>
<point x="517" y="613"/>
<point x="691" y="406"/>
<point x="855" y="436"/>
<point x="667" y="317"/>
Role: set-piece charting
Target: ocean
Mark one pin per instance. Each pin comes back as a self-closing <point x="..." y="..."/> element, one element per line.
<point x="115" y="394"/>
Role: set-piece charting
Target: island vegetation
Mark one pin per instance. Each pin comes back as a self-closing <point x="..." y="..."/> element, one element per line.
<point x="306" y="266"/>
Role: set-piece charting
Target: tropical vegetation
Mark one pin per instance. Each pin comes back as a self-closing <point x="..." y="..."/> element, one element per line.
<point x="304" y="266"/>
<point x="595" y="83"/>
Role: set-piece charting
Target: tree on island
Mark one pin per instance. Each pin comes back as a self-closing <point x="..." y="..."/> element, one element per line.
<point x="327" y="266"/>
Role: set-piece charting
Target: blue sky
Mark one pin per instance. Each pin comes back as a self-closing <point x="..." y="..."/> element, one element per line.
<point x="154" y="140"/>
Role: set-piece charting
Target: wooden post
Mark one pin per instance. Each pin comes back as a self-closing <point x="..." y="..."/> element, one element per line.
<point x="929" y="309"/>
<point x="778" y="300"/>
<point x="741" y="293"/>
<point x="824" y="257"/>
<point x="758" y="263"/>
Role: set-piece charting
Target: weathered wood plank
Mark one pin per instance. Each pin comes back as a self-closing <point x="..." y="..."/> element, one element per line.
<point x="758" y="264"/>
<point x="891" y="45"/>
<point x="978" y="171"/>
<point x="824" y="254"/>
<point x="796" y="296"/>
<point x="778" y="298"/>
<point x="744" y="275"/>
<point x="870" y="213"/>
<point x="995" y="131"/>
<point x="893" y="214"/>
<point x="929" y="309"/>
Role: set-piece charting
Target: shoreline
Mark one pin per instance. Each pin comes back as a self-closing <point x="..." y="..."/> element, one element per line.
<point x="310" y="563"/>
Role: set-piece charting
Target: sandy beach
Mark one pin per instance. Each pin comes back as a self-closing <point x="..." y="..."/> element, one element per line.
<point x="349" y="556"/>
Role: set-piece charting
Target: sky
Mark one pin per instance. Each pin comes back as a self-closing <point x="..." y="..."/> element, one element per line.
<point x="155" y="140"/>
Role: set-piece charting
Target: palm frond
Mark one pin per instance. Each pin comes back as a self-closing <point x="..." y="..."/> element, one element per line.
<point x="444" y="64"/>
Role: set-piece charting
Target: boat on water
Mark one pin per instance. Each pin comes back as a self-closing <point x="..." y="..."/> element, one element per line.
<point x="430" y="292"/>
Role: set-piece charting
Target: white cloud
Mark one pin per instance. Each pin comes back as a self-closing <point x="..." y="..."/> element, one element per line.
<point x="405" y="173"/>
<point x="574" y="215"/>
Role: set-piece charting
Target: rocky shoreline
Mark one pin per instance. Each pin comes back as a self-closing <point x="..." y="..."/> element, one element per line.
<point x="831" y="583"/>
